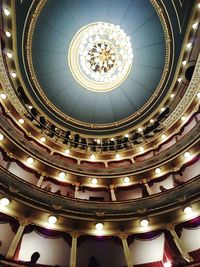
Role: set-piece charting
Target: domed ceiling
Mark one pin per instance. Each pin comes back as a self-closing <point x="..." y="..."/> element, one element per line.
<point x="57" y="25"/>
<point x="120" y="181"/>
<point x="48" y="76"/>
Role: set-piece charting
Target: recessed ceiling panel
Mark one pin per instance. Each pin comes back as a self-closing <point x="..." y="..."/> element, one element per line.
<point x="56" y="26"/>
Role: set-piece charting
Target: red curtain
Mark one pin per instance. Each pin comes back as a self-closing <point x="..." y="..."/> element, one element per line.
<point x="167" y="253"/>
<point x="148" y="235"/>
<point x="151" y="264"/>
<point x="195" y="255"/>
<point x="7" y="219"/>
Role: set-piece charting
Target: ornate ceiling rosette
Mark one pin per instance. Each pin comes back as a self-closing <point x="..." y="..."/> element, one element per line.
<point x="100" y="56"/>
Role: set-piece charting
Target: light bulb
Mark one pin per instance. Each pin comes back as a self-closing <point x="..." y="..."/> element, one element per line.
<point x="157" y="170"/>
<point x="30" y="160"/>
<point x="21" y="121"/>
<point x="189" y="45"/>
<point x="1" y="137"/>
<point x="4" y="202"/>
<point x="52" y="219"/>
<point x="43" y="139"/>
<point x="194" y="26"/>
<point x="126" y="180"/>
<point x="99" y="226"/>
<point x="92" y="157"/>
<point x="141" y="148"/>
<point x="3" y="96"/>
<point x="8" y="34"/>
<point x="67" y="151"/>
<point x="188" y="210"/>
<point x="6" y="11"/>
<point x="183" y="118"/>
<point x="9" y="55"/>
<point x="13" y="74"/>
<point x="94" y="181"/>
<point x="61" y="174"/>
<point x="187" y="155"/>
<point x="144" y="223"/>
<point x="117" y="156"/>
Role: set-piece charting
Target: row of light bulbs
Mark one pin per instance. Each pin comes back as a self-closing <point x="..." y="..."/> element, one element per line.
<point x="3" y="96"/>
<point x="52" y="219"/>
<point x="144" y="222"/>
<point x="93" y="157"/>
<point x="189" y="44"/>
<point x="30" y="160"/>
<point x="187" y="155"/>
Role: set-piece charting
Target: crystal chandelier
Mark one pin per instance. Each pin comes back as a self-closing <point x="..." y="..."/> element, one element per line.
<point x="105" y="52"/>
<point x="100" y="56"/>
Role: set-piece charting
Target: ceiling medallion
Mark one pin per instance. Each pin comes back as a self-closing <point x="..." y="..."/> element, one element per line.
<point x="100" y="56"/>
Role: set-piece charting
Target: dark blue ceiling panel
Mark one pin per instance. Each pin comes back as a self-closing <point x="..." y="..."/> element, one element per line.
<point x="56" y="26"/>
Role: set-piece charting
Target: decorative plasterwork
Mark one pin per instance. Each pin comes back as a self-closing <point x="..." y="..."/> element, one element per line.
<point x="101" y="46"/>
<point x="163" y="157"/>
<point x="52" y="108"/>
<point x="193" y="87"/>
<point x="124" y="210"/>
<point x="7" y="87"/>
<point x="189" y="95"/>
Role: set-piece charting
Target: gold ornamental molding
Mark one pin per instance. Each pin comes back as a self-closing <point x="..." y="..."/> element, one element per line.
<point x="7" y="87"/>
<point x="53" y="109"/>
<point x="74" y="56"/>
<point x="190" y="94"/>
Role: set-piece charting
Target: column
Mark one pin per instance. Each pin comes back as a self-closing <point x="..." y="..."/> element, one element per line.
<point x="40" y="181"/>
<point x="127" y="254"/>
<point x="73" y="252"/>
<point x="112" y="193"/>
<point x="196" y="119"/>
<point x="148" y="188"/>
<point x="176" y="182"/>
<point x="178" y="243"/>
<point x="16" y="240"/>
<point x="8" y="165"/>
<point x="76" y="190"/>
<point x="176" y="138"/>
